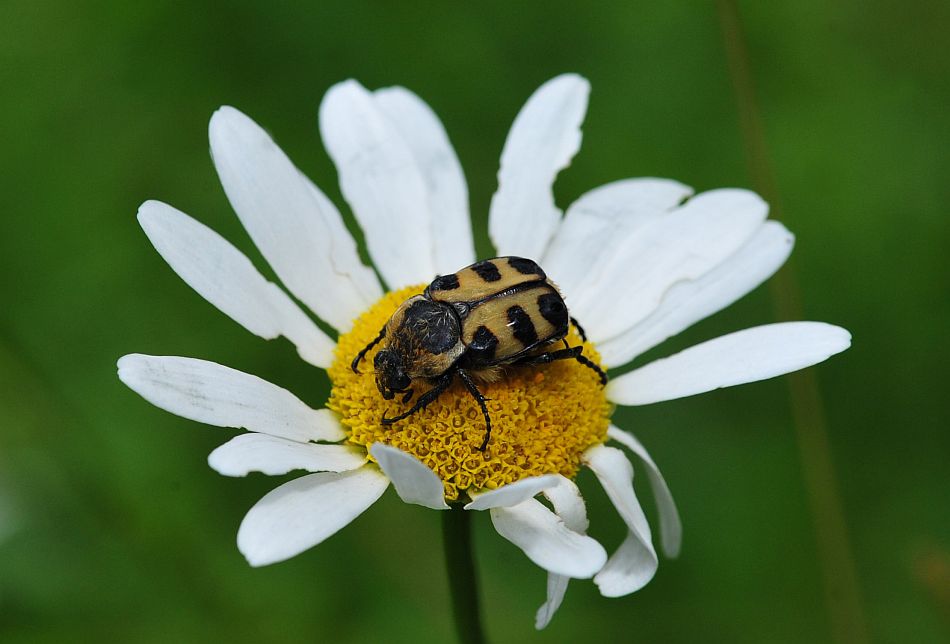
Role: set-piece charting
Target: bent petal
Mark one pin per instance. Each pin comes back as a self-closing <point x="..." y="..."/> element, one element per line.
<point x="671" y="528"/>
<point x="270" y="455"/>
<point x="597" y="225"/>
<point x="511" y="494"/>
<point x="615" y="474"/>
<point x="217" y="395"/>
<point x="221" y="274"/>
<point x="298" y="230"/>
<point x="569" y="505"/>
<point x="543" y="139"/>
<point x="547" y="541"/>
<point x="414" y="482"/>
<point x="693" y="300"/>
<point x="745" y="356"/>
<point x="381" y="180"/>
<point x="422" y="131"/>
<point x="635" y="562"/>
<point x="682" y="245"/>
<point x="556" y="589"/>
<point x="628" y="570"/>
<point x="302" y="513"/>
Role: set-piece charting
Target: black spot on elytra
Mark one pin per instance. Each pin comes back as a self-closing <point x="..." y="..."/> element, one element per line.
<point x="434" y="325"/>
<point x="445" y="283"/>
<point x="526" y="266"/>
<point x="484" y="343"/>
<point x="521" y="326"/>
<point x="487" y="271"/>
<point x="552" y="309"/>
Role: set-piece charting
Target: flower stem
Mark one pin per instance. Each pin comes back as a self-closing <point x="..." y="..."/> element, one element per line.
<point x="460" y="566"/>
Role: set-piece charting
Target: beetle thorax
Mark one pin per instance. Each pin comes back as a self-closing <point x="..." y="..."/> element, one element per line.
<point x="425" y="336"/>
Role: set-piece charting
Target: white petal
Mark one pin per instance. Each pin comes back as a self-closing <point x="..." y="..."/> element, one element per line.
<point x="557" y="586"/>
<point x="511" y="494"/>
<point x="596" y="226"/>
<point x="671" y="529"/>
<point x="221" y="274"/>
<point x="628" y="570"/>
<point x="217" y="395"/>
<point x="254" y="452"/>
<point x="414" y="482"/>
<point x="683" y="245"/>
<point x="297" y="229"/>
<point x="690" y="301"/>
<point x="302" y="513"/>
<point x="547" y="541"/>
<point x="745" y="356"/>
<point x="615" y="474"/>
<point x="421" y="129"/>
<point x="635" y="562"/>
<point x="544" y="137"/>
<point x="382" y="182"/>
<point x="569" y="505"/>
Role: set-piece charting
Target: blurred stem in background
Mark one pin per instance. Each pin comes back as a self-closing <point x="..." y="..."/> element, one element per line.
<point x="842" y="594"/>
<point x="460" y="568"/>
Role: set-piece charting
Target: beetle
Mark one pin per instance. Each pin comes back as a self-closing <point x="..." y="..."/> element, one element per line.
<point x="496" y="312"/>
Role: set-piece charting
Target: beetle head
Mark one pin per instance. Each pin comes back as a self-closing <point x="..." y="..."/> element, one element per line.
<point x="391" y="375"/>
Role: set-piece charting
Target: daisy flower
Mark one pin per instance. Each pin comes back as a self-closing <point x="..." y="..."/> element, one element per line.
<point x="637" y="261"/>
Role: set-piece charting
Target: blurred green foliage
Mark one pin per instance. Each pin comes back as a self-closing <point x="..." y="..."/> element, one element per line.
<point x="116" y="529"/>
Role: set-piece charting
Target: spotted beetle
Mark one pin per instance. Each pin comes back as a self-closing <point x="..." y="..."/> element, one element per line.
<point x="501" y="311"/>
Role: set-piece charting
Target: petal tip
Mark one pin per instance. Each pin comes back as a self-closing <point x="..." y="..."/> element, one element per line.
<point x="254" y="559"/>
<point x="383" y="450"/>
<point x="149" y="208"/>
<point x="223" y="114"/>
<point x="845" y="336"/>
<point x="348" y="86"/>
<point x="570" y="78"/>
<point x="217" y="462"/>
<point x="128" y="365"/>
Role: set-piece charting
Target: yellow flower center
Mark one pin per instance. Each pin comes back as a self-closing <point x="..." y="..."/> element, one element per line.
<point x="543" y="418"/>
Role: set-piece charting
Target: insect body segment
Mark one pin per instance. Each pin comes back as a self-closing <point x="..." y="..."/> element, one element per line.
<point x="501" y="311"/>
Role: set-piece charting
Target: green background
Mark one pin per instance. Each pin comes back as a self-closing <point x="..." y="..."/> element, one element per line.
<point x="112" y="525"/>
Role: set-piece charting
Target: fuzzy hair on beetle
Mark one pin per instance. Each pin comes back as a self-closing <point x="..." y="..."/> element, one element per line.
<point x="495" y="313"/>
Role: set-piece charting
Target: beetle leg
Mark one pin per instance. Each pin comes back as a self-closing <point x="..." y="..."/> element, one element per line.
<point x="564" y="354"/>
<point x="407" y="396"/>
<point x="580" y="329"/>
<point x="550" y="356"/>
<point x="425" y="399"/>
<point x="359" y="356"/>
<point x="584" y="360"/>
<point x="480" y="399"/>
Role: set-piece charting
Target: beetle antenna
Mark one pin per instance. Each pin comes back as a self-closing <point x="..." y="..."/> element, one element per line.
<point x="580" y="329"/>
<point x="355" y="365"/>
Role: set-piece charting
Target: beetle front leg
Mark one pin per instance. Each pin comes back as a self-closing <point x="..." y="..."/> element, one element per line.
<point x="425" y="399"/>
